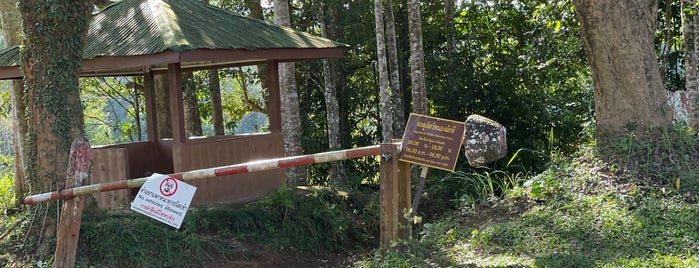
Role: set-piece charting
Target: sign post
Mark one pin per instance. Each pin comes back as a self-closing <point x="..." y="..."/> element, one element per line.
<point x="165" y="199"/>
<point x="432" y="142"/>
<point x="394" y="197"/>
<point x="72" y="211"/>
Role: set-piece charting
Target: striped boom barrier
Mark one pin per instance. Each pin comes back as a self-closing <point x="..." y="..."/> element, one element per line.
<point x="212" y="172"/>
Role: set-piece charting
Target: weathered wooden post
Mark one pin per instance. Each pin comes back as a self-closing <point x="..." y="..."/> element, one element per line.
<point x="394" y="198"/>
<point x="434" y="143"/>
<point x="72" y="211"/>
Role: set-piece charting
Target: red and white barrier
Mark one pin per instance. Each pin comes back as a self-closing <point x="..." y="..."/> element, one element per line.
<point x="212" y="172"/>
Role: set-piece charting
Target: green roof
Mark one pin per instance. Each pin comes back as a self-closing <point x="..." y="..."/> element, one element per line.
<point x="137" y="27"/>
<point x="147" y="27"/>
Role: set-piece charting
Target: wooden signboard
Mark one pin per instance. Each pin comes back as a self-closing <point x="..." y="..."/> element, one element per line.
<point x="432" y="142"/>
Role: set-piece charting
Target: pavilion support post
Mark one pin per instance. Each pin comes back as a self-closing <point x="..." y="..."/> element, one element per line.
<point x="149" y="96"/>
<point x="275" y="110"/>
<point x="72" y="211"/>
<point x="174" y="76"/>
<point x="394" y="199"/>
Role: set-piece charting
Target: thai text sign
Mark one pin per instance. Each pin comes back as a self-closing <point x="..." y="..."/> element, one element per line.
<point x="432" y="142"/>
<point x="165" y="199"/>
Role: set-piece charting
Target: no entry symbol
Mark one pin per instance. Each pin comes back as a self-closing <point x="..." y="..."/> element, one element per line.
<point x="168" y="186"/>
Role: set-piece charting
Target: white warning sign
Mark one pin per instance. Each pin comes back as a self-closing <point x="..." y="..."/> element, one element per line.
<point x="165" y="199"/>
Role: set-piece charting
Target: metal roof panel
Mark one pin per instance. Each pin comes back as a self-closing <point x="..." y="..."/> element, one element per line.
<point x="146" y="27"/>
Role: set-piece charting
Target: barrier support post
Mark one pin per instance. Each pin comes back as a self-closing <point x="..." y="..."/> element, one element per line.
<point x="72" y="211"/>
<point x="394" y="200"/>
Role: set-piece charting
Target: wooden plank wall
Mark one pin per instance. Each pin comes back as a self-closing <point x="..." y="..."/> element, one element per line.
<point x="110" y="164"/>
<point x="215" y="152"/>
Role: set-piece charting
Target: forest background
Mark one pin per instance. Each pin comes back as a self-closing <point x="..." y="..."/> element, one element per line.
<point x="520" y="63"/>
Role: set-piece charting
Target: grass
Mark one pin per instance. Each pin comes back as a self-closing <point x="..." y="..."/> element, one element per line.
<point x="7" y="194"/>
<point x="316" y="222"/>
<point x="636" y="207"/>
<point x="626" y="211"/>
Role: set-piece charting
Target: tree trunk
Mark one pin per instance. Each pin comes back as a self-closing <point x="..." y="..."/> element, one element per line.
<point x="192" y="119"/>
<point x="450" y="24"/>
<point x="135" y="93"/>
<point x="393" y="66"/>
<point x="162" y="106"/>
<point x="291" y="118"/>
<point x="256" y="13"/>
<point x="338" y="178"/>
<point x="618" y="41"/>
<point x="690" y="18"/>
<point x="215" y="93"/>
<point x="216" y="106"/>
<point x="12" y="27"/>
<point x="72" y="211"/>
<point x="452" y="58"/>
<point x="54" y="36"/>
<point x="384" y="87"/>
<point x="417" y="58"/>
<point x="255" y="9"/>
<point x="669" y="39"/>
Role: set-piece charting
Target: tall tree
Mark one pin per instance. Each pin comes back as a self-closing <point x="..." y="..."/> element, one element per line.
<point x="393" y="67"/>
<point x="162" y="106"/>
<point x="136" y="90"/>
<point x="256" y="13"/>
<point x="291" y="118"/>
<point x="215" y="94"/>
<point x="11" y="28"/>
<point x="450" y="24"/>
<point x="450" y="32"/>
<point x="216" y="105"/>
<point x="192" y="119"/>
<point x="618" y="42"/>
<point x="338" y="177"/>
<point x="381" y="61"/>
<point x="690" y="35"/>
<point x="54" y="37"/>
<point x="417" y="58"/>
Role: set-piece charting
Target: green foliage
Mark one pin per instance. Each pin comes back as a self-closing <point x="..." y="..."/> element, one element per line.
<point x="7" y="194"/>
<point x="137" y="242"/>
<point x="469" y="189"/>
<point x="315" y="221"/>
<point x="241" y="7"/>
<point x="320" y="221"/>
<point x="593" y="216"/>
<point x="520" y="64"/>
<point x="114" y="109"/>
<point x="51" y="57"/>
<point x="670" y="45"/>
<point x="5" y="101"/>
<point x="7" y="241"/>
<point x="666" y="159"/>
<point x="241" y="94"/>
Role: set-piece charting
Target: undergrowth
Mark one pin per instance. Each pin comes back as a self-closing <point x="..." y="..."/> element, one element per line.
<point x="319" y="222"/>
<point x="7" y="194"/>
<point x="666" y="159"/>
<point x="636" y="207"/>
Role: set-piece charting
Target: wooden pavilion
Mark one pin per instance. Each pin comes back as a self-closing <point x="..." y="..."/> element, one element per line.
<point x="148" y="37"/>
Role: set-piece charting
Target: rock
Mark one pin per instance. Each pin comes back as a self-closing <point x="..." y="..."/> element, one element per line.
<point x="484" y="140"/>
